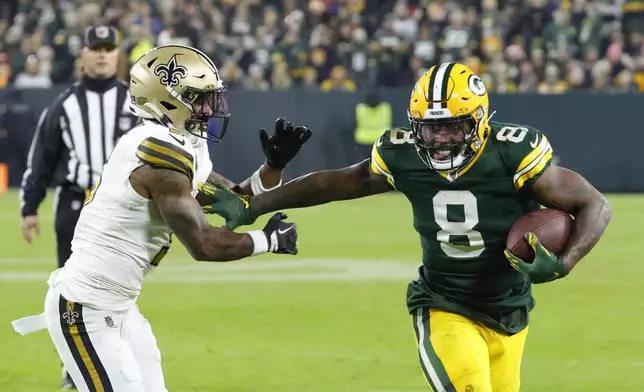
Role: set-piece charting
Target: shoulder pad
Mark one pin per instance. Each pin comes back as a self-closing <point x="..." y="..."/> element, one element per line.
<point x="525" y="149"/>
<point x="382" y="153"/>
<point x="162" y="153"/>
<point x="148" y="129"/>
<point x="396" y="137"/>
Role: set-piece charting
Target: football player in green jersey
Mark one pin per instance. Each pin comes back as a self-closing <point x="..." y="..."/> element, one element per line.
<point x="468" y="180"/>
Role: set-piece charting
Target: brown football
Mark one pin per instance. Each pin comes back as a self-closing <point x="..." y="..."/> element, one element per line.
<point x="551" y="226"/>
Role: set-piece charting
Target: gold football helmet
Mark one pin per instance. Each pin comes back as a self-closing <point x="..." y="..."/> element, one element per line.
<point x="448" y="113"/>
<point x="180" y="87"/>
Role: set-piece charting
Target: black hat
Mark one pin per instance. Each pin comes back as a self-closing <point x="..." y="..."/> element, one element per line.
<point x="101" y="35"/>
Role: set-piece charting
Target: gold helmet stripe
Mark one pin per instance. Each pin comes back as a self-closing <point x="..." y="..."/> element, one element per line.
<point x="439" y="86"/>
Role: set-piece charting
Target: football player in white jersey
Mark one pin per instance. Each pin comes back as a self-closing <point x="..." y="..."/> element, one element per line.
<point x="147" y="193"/>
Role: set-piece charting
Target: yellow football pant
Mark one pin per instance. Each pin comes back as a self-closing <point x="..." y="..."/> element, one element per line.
<point x="459" y="355"/>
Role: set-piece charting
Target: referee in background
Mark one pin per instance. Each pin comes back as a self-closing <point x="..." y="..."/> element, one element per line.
<point x="74" y="137"/>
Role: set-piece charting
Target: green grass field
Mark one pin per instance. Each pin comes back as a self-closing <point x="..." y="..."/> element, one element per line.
<point x="333" y="318"/>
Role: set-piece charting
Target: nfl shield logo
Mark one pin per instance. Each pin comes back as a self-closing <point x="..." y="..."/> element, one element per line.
<point x="109" y="322"/>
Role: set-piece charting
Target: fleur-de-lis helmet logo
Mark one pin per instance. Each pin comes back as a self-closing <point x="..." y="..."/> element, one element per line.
<point x="171" y="72"/>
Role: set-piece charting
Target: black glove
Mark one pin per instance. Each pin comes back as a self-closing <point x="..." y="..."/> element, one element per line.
<point x="284" y="144"/>
<point x="282" y="236"/>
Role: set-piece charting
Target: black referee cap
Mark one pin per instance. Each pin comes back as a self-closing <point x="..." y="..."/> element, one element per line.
<point x="101" y="35"/>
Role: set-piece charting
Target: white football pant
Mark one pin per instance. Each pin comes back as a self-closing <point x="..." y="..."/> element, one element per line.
<point x="104" y="351"/>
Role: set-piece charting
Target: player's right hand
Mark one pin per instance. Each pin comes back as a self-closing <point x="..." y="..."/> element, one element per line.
<point x="282" y="236"/>
<point x="235" y="208"/>
<point x="30" y="223"/>
<point x="545" y="267"/>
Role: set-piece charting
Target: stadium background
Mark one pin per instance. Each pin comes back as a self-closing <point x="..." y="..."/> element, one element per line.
<point x="333" y="318"/>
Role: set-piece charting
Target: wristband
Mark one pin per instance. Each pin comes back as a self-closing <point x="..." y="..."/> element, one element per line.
<point x="260" y="242"/>
<point x="256" y="183"/>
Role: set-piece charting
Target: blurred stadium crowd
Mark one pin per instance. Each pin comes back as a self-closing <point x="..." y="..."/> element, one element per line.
<point x="515" y="45"/>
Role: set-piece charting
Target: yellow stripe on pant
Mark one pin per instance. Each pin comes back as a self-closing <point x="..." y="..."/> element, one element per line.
<point x="96" y="380"/>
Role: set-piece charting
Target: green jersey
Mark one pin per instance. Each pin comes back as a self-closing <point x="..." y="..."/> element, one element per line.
<point x="463" y="220"/>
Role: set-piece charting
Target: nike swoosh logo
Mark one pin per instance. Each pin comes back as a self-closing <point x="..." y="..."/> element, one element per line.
<point x="554" y="276"/>
<point x="284" y="231"/>
<point x="379" y="142"/>
<point x="182" y="141"/>
<point x="534" y="144"/>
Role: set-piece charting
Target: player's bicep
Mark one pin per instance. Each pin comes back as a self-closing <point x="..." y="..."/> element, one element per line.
<point x="372" y="182"/>
<point x="172" y="194"/>
<point x="534" y="161"/>
<point x="158" y="153"/>
<point x="563" y="189"/>
<point x="171" y="191"/>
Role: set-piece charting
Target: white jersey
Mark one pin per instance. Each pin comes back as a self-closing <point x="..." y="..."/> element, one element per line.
<point x="120" y="235"/>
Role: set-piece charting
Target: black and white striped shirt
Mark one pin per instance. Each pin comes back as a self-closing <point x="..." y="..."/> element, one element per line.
<point x="74" y="137"/>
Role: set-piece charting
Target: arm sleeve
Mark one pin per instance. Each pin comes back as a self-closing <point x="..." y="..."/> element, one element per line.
<point x="43" y="158"/>
<point x="530" y="158"/>
<point x="377" y="163"/>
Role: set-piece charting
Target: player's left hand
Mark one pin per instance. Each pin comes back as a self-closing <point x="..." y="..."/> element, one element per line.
<point x="235" y="208"/>
<point x="281" y="235"/>
<point x="545" y="267"/>
<point x="284" y="144"/>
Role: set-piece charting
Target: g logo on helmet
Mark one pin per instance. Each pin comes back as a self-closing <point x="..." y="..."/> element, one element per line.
<point x="476" y="85"/>
<point x="171" y="72"/>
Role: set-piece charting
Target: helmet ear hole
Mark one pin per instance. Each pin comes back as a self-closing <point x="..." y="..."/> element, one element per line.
<point x="167" y="105"/>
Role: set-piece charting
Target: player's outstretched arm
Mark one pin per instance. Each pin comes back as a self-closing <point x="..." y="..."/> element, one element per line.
<point x="322" y="187"/>
<point x="171" y="190"/>
<point x="568" y="191"/>
<point x="268" y="178"/>
<point x="311" y="189"/>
